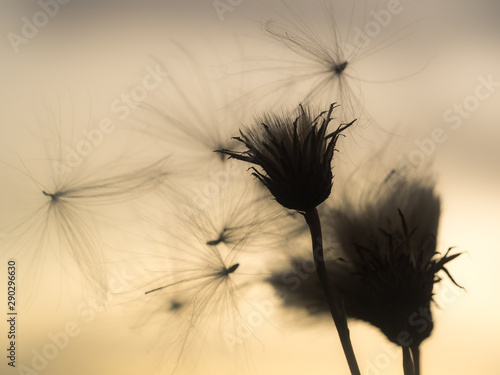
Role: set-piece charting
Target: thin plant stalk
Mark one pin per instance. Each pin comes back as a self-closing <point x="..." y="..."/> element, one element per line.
<point x="415" y="351"/>
<point x="408" y="365"/>
<point x="334" y="302"/>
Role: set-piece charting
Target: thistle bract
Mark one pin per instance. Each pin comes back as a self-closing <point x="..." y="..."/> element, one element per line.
<point x="295" y="153"/>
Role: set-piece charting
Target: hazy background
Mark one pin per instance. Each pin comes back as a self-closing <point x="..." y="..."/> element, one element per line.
<point x="91" y="52"/>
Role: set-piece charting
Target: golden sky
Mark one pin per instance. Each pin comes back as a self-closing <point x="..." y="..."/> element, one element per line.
<point x="437" y="73"/>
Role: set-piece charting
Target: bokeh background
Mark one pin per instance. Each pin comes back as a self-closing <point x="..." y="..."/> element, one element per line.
<point x="91" y="52"/>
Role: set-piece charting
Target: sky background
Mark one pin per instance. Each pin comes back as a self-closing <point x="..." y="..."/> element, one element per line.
<point x="89" y="53"/>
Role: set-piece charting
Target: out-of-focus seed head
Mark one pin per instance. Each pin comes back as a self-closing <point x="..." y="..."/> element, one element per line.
<point x="385" y="264"/>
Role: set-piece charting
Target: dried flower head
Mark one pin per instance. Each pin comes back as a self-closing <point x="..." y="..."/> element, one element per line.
<point x="386" y="264"/>
<point x="390" y="243"/>
<point x="295" y="153"/>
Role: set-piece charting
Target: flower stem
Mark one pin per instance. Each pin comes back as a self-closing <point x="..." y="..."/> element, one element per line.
<point x="408" y="366"/>
<point x="415" y="352"/>
<point x="334" y="301"/>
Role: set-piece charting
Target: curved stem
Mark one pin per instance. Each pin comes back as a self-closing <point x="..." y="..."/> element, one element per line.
<point x="334" y="301"/>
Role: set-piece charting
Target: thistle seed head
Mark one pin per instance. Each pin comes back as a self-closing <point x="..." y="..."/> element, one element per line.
<point x="385" y="264"/>
<point x="294" y="153"/>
